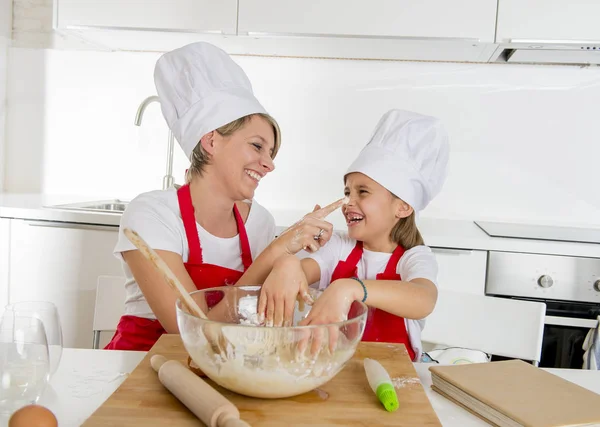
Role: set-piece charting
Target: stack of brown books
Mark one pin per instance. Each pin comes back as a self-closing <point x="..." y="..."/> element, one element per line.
<point x="515" y="393"/>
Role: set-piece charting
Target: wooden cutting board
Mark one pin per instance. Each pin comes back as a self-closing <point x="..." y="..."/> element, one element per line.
<point x="346" y="400"/>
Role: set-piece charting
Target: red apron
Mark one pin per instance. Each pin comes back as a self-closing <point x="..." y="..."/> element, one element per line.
<point x="136" y="333"/>
<point x="381" y="326"/>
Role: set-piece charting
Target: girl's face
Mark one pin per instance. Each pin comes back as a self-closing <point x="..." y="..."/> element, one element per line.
<point x="371" y="212"/>
<point x="244" y="158"/>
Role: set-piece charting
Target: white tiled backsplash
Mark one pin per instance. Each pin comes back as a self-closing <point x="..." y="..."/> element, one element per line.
<point x="525" y="140"/>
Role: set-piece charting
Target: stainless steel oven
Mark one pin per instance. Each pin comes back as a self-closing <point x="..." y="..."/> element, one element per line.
<point x="570" y="287"/>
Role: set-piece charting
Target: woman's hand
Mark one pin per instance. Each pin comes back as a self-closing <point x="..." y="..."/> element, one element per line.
<point x="310" y="233"/>
<point x="282" y="287"/>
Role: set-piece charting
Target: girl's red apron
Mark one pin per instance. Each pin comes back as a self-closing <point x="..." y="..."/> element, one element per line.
<point x="137" y="333"/>
<point x="381" y="326"/>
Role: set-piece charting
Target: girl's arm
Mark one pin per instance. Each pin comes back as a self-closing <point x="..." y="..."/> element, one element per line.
<point x="411" y="300"/>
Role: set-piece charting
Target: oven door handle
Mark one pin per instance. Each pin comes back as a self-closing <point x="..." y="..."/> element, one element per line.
<point x="571" y="321"/>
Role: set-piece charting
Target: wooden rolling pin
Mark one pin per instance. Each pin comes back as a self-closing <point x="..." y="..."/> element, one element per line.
<point x="210" y="406"/>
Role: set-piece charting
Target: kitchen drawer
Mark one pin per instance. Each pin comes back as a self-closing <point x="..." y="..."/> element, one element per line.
<point x="60" y="262"/>
<point x="461" y="270"/>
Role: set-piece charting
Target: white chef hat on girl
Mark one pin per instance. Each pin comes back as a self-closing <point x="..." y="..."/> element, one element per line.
<point x="407" y="154"/>
<point x="201" y="89"/>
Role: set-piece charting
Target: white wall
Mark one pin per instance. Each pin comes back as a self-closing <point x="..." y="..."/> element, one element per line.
<point x="5" y="33"/>
<point x="525" y="139"/>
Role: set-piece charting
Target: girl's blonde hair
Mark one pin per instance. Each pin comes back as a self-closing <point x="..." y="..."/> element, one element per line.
<point x="199" y="157"/>
<point x="405" y="233"/>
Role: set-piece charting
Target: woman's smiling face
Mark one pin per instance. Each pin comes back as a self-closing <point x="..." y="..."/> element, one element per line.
<point x="245" y="157"/>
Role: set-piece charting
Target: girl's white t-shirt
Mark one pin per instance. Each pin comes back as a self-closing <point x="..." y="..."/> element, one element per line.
<point x="417" y="262"/>
<point x="156" y="217"/>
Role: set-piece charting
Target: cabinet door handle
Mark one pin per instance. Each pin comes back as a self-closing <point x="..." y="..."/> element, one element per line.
<point x="452" y="251"/>
<point x="162" y="30"/>
<point x="542" y="41"/>
<point x="72" y="225"/>
<point x="354" y="36"/>
<point x="570" y="321"/>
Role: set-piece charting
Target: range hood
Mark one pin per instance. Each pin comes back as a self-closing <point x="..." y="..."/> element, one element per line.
<point x="548" y="52"/>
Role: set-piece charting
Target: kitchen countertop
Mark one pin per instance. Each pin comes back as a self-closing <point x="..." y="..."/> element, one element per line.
<point x="34" y="207"/>
<point x="437" y="232"/>
<point x="86" y="378"/>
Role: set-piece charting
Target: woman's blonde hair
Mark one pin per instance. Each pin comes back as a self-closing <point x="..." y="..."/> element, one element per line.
<point x="199" y="157"/>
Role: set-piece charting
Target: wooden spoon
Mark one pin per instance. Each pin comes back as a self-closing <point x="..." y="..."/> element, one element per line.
<point x="171" y="279"/>
<point x="218" y="343"/>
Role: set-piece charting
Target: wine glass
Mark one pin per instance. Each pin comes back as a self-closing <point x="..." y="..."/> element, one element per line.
<point x="24" y="361"/>
<point x="48" y="314"/>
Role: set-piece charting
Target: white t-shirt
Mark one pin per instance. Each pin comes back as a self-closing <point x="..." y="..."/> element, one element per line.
<point x="156" y="217"/>
<point x="417" y="262"/>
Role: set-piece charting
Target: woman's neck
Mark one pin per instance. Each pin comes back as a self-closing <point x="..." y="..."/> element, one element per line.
<point x="213" y="209"/>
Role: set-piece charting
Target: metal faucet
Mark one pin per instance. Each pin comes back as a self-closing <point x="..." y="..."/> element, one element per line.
<point x="168" y="179"/>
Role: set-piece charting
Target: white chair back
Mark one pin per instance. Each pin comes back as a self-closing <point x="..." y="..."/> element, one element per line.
<point x="110" y="305"/>
<point x="499" y="326"/>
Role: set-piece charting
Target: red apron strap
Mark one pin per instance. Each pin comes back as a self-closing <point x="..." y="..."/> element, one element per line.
<point x="347" y="269"/>
<point x="244" y="243"/>
<point x="355" y="255"/>
<point x="189" y="223"/>
<point x="390" y="268"/>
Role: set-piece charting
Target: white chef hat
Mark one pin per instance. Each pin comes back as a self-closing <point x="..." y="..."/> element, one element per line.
<point x="201" y="89"/>
<point x="407" y="154"/>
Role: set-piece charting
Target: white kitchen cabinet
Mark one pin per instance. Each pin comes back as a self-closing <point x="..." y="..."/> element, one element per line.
<point x="428" y="30"/>
<point x="152" y="25"/>
<point x="548" y="20"/>
<point x="61" y="262"/>
<point x="4" y="261"/>
<point x="5" y="34"/>
<point x="461" y="30"/>
<point x="172" y="15"/>
<point x="461" y="270"/>
<point x="457" y="19"/>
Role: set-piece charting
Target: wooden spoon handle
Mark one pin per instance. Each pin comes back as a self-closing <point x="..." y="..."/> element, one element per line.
<point x="170" y="277"/>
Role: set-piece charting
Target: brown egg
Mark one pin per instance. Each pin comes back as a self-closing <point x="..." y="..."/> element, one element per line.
<point x="33" y="416"/>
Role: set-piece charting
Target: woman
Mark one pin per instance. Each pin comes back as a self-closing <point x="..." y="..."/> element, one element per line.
<point x="209" y="232"/>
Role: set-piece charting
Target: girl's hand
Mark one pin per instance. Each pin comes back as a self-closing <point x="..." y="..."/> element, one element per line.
<point x="332" y="307"/>
<point x="334" y="303"/>
<point x="281" y="289"/>
<point x="310" y="233"/>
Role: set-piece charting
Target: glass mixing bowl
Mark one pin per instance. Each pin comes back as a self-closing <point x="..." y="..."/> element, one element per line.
<point x="234" y="351"/>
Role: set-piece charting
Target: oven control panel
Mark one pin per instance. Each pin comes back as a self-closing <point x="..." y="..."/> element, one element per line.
<point x="543" y="276"/>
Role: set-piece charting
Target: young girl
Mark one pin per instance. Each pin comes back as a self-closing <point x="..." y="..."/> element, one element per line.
<point x="382" y="261"/>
